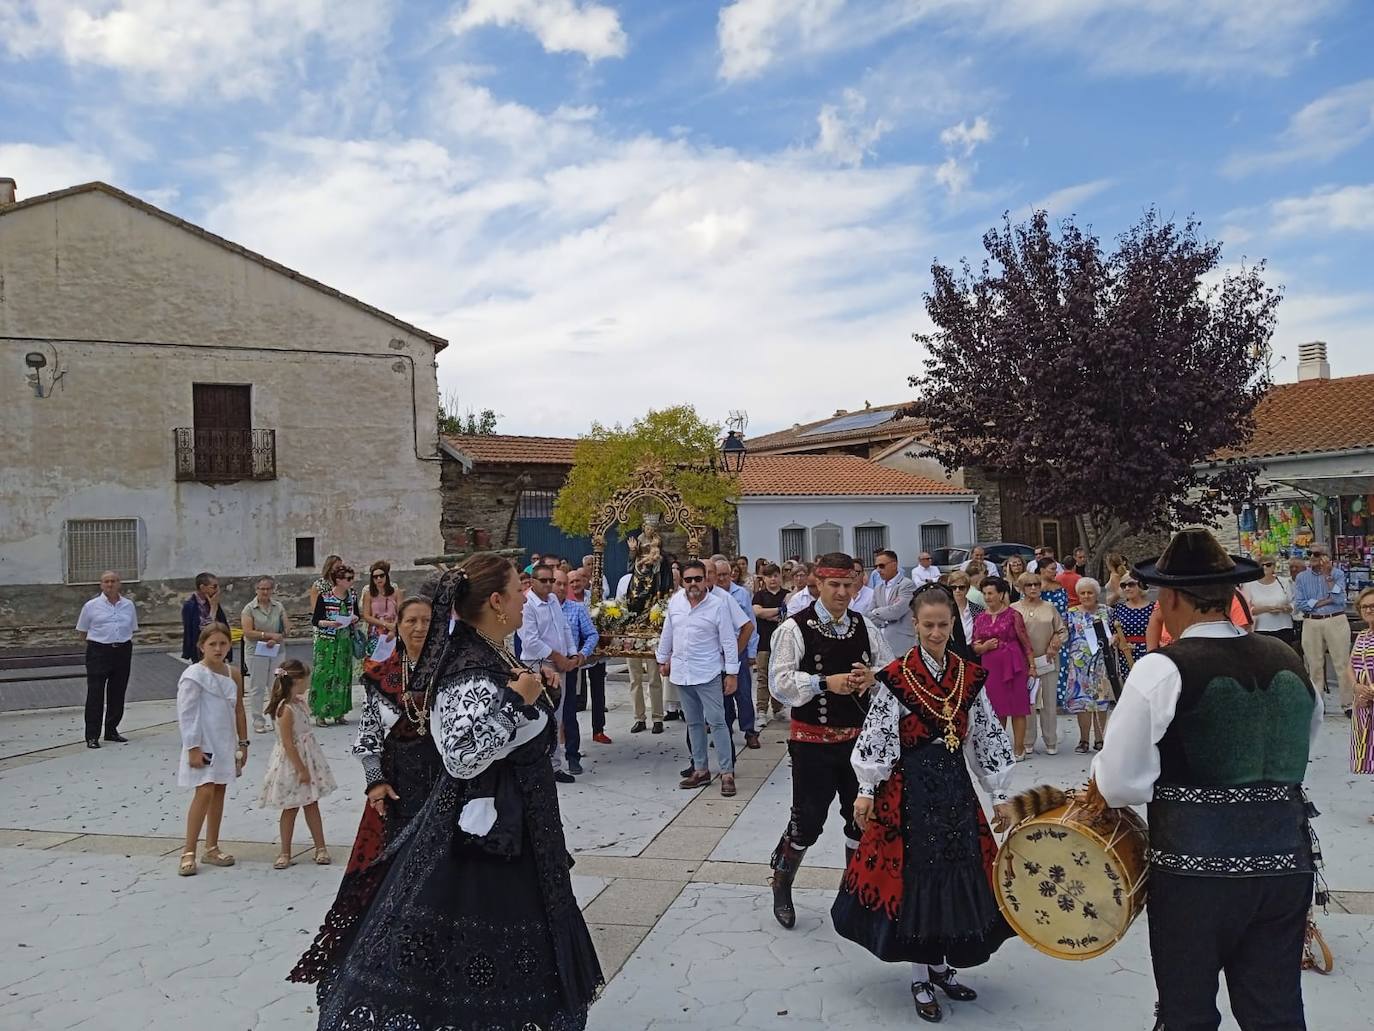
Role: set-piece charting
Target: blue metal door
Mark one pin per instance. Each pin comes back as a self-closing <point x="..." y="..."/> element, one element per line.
<point x="536" y="534"/>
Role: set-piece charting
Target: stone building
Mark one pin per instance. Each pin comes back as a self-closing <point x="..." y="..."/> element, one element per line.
<point x="175" y="402"/>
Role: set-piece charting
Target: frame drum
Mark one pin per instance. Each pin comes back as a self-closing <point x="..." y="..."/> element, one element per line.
<point x="1070" y="881"/>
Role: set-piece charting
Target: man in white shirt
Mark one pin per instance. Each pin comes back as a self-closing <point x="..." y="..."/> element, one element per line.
<point x="698" y="651"/>
<point x="546" y="638"/>
<point x="863" y="592"/>
<point x="1214" y="732"/>
<point x="664" y="705"/>
<point x="807" y="595"/>
<point x="109" y="621"/>
<point x="980" y="555"/>
<point x="891" y="610"/>
<point x="924" y="572"/>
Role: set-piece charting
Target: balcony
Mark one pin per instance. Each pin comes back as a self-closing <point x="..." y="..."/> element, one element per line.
<point x="225" y="456"/>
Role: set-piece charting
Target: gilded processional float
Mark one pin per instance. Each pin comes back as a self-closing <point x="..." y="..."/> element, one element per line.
<point x="629" y="626"/>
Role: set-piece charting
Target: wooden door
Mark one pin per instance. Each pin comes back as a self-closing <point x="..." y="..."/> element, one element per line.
<point x="223" y="420"/>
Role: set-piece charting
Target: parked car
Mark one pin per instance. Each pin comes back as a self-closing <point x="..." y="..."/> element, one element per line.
<point x="950" y="559"/>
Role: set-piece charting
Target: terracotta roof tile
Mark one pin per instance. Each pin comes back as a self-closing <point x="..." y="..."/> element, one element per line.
<point x="514" y="450"/>
<point x="772" y="475"/>
<point x="1312" y="416"/>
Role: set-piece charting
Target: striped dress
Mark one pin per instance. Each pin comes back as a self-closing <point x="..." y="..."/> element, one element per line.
<point x="1362" y="719"/>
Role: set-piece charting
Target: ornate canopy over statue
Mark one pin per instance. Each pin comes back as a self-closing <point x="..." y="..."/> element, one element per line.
<point x="630" y="626"/>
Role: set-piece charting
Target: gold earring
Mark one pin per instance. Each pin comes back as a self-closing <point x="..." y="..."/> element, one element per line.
<point x="500" y="617"/>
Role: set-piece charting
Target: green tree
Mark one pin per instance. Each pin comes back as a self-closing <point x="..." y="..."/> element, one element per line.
<point x="675" y="440"/>
<point x="454" y="422"/>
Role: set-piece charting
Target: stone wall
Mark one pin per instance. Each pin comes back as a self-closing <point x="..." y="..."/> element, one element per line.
<point x="486" y="498"/>
<point x="989" y="511"/>
<point x="42" y="615"/>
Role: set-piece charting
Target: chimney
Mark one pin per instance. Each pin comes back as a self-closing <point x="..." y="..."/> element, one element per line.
<point x="1312" y="363"/>
<point x="7" y="192"/>
<point x="839" y="412"/>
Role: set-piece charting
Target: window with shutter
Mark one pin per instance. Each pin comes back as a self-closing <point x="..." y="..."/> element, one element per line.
<point x="826" y="538"/>
<point x="867" y="540"/>
<point x="934" y="536"/>
<point x="792" y="541"/>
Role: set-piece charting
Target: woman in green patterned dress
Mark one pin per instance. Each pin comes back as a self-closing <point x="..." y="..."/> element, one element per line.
<point x="331" y="682"/>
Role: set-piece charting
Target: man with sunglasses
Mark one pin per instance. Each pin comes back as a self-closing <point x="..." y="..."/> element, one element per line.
<point x="1319" y="593"/>
<point x="546" y="638"/>
<point x="823" y="662"/>
<point x="891" y="611"/>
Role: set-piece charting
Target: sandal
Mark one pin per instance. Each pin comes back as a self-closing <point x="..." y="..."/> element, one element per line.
<point x="1082" y="748"/>
<point x="1097" y="747"/>
<point x="322" y="856"/>
<point x="188" y="864"/>
<point x="282" y="861"/>
<point x="216" y="856"/>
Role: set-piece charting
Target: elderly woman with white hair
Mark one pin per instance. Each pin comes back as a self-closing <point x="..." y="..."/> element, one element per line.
<point x="1094" y="678"/>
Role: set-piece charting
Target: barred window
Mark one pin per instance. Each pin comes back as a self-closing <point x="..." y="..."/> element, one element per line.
<point x="793" y="542"/>
<point x="826" y="538"/>
<point x="95" y="545"/>
<point x="867" y="540"/>
<point x="934" y="536"/>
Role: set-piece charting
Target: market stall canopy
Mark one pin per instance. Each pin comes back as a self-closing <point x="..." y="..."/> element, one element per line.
<point x="1330" y="486"/>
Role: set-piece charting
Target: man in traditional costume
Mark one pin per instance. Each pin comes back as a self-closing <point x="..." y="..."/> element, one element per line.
<point x="822" y="666"/>
<point x="919" y="889"/>
<point x="1213" y="732"/>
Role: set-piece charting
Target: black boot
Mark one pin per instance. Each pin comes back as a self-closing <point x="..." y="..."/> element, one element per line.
<point x="786" y="858"/>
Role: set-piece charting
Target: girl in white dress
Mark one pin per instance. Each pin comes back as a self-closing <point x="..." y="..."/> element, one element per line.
<point x="298" y="774"/>
<point x="214" y="743"/>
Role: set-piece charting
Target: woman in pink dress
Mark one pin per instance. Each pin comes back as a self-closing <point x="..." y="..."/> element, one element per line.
<point x="1362" y="673"/>
<point x="1003" y="647"/>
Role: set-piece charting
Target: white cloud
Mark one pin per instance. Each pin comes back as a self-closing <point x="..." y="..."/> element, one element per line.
<point x="966" y="136"/>
<point x="39" y="169"/>
<point x="954" y="176"/>
<point x="1329" y="126"/>
<point x="1207" y="37"/>
<point x="1341" y="319"/>
<point x="843" y="131"/>
<point x="1329" y="209"/>
<point x="561" y="26"/>
<point x="176" y="48"/>
<point x="1065" y="201"/>
<point x="599" y="270"/>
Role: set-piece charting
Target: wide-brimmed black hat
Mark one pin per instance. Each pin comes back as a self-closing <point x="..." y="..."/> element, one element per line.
<point x="1194" y="558"/>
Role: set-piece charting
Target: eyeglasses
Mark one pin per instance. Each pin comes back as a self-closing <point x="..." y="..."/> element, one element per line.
<point x="960" y="587"/>
<point x="1267" y="565"/>
<point x="1367" y="608"/>
<point x="544" y="579"/>
<point x="348" y="578"/>
<point x="1130" y="583"/>
<point x="693" y="579"/>
<point x="379" y="576"/>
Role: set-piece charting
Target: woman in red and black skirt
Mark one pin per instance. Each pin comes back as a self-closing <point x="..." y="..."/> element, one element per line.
<point x="919" y="888"/>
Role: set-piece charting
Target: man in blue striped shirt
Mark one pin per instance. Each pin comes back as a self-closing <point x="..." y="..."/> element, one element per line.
<point x="1319" y="594"/>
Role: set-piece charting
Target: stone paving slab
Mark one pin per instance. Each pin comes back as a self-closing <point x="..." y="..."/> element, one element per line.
<point x="31" y="730"/>
<point x="107" y="944"/>
<point x="810" y="978"/>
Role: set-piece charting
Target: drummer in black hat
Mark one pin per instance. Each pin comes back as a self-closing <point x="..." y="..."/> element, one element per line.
<point x="1213" y="732"/>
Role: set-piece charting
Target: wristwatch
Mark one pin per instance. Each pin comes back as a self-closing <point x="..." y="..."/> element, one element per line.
<point x="244" y="744"/>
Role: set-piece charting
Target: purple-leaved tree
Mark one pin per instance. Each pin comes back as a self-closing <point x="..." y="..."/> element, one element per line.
<point x="1103" y="380"/>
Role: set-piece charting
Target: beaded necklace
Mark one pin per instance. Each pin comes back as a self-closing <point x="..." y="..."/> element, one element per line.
<point x="945" y="709"/>
<point x="417" y="714"/>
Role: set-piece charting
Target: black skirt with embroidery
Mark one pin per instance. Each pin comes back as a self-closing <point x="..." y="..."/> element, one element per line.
<point x="460" y="937"/>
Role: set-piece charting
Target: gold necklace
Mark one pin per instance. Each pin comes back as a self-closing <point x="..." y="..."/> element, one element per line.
<point x="948" y="706"/>
<point x="515" y="664"/>
<point x="418" y="715"/>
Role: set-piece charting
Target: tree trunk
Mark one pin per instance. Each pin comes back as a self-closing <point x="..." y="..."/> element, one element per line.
<point x="1100" y="538"/>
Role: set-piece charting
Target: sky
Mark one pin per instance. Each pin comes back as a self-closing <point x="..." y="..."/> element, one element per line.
<point x="613" y="205"/>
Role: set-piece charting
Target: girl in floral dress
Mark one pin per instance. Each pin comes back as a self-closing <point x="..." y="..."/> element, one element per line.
<point x="298" y="774"/>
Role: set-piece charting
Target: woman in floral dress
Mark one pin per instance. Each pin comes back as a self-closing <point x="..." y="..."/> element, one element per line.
<point x="331" y="683"/>
<point x="1093" y="679"/>
<point x="1132" y="614"/>
<point x="1052" y="592"/>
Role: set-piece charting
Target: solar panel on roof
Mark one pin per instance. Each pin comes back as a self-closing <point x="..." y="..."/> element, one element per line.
<point x="857" y="421"/>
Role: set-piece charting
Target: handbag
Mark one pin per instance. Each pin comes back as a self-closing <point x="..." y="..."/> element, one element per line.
<point x="359" y="641"/>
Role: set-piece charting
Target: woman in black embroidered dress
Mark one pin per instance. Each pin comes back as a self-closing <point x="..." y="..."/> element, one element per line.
<point x="400" y="763"/>
<point x="919" y="888"/>
<point x="473" y="926"/>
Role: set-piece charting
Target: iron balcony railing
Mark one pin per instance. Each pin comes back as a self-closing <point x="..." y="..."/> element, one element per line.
<point x="225" y="456"/>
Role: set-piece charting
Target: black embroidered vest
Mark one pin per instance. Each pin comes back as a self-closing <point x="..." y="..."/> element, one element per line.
<point x="1229" y="801"/>
<point x="825" y="653"/>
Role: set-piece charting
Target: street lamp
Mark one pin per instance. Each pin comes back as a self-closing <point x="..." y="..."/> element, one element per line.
<point x="732" y="453"/>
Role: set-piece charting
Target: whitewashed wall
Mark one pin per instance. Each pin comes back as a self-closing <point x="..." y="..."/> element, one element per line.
<point x="761" y="520"/>
<point x="91" y="267"/>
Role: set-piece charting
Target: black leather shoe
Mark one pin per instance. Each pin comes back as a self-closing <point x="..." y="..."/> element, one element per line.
<point x="950" y="985"/>
<point x="564" y="778"/>
<point x="929" y="1011"/>
<point x="674" y="715"/>
<point x="658" y="728"/>
<point x="639" y="727"/>
<point x="687" y="771"/>
<point x="92" y="742"/>
<point x="114" y="735"/>
<point x="574" y="767"/>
